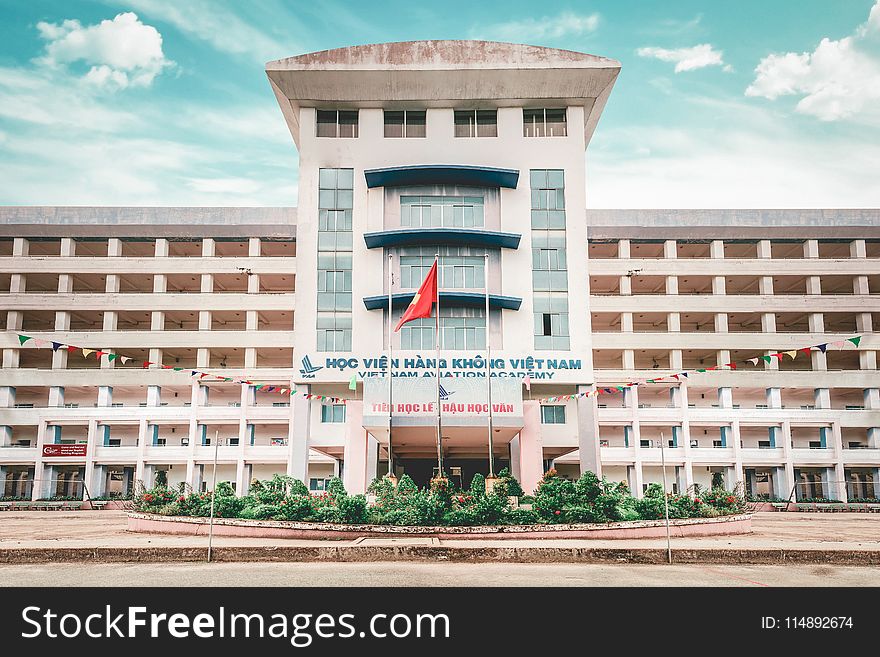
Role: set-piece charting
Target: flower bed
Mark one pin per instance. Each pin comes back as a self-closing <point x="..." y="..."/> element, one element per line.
<point x="556" y="501"/>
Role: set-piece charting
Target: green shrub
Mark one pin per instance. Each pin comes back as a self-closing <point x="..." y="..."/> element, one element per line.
<point x="552" y="496"/>
<point x="511" y="484"/>
<point x="521" y="517"/>
<point x="478" y="485"/>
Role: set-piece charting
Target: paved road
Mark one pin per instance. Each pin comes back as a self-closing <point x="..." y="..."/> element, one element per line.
<point x="429" y="574"/>
<point x="843" y="531"/>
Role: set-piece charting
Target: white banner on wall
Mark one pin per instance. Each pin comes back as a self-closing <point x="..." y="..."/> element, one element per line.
<point x="458" y="398"/>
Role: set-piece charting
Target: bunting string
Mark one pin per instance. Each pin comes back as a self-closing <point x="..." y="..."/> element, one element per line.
<point x="145" y="364"/>
<point x="679" y="376"/>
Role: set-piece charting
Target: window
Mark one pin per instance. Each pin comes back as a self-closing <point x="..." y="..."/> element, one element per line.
<point x="405" y="123"/>
<point x="476" y="123"/>
<point x="551" y="320"/>
<point x="460" y="328"/>
<point x="553" y="415"/>
<point x="544" y="122"/>
<point x="441" y="211"/>
<point x="335" y="244"/>
<point x="457" y="270"/>
<point x="333" y="413"/>
<point x="318" y="484"/>
<point x="337" y="123"/>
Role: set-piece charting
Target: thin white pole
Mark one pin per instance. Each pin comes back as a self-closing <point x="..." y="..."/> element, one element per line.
<point x="489" y="370"/>
<point x="213" y="494"/>
<point x="665" y="500"/>
<point x="390" y="370"/>
<point x="437" y="340"/>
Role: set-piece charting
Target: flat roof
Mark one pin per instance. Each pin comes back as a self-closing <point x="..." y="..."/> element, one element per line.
<point x="443" y="73"/>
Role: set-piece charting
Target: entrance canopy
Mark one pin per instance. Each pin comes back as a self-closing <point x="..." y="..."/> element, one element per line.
<point x="464" y="414"/>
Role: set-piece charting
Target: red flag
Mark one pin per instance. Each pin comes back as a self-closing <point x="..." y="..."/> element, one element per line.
<point x="424" y="299"/>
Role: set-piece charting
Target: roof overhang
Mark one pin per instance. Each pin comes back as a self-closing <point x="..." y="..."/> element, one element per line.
<point x="442" y="174"/>
<point x="447" y="236"/>
<point x="459" y="299"/>
<point x="443" y="74"/>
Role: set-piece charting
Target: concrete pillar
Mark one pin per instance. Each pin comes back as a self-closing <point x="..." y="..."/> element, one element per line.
<point x="589" y="452"/>
<point x="355" y="452"/>
<point x="531" y="446"/>
<point x="299" y="430"/>
<point x="372" y="459"/>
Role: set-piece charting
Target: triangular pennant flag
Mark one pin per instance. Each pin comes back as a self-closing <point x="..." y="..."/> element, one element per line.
<point x="684" y="374"/>
<point x="203" y="375"/>
<point x="822" y="347"/>
<point x="839" y="343"/>
<point x="56" y="346"/>
<point x="124" y="359"/>
<point x="24" y="338"/>
<point x="283" y="390"/>
<point x="112" y="357"/>
<point x="39" y="342"/>
<point x="806" y="350"/>
<point x="193" y="372"/>
<point x="145" y="364"/>
<point x="792" y="353"/>
<point x="71" y="348"/>
<point x="779" y="356"/>
<point x="167" y="367"/>
<point x="270" y="388"/>
<point x="226" y="379"/>
<point x="855" y="340"/>
<point x="178" y="369"/>
<point x="99" y="353"/>
<point x="768" y="359"/>
<point x="701" y="371"/>
<point x="731" y="365"/>
<point x="258" y="386"/>
<point x="86" y="352"/>
<point x="675" y="376"/>
<point x="754" y="361"/>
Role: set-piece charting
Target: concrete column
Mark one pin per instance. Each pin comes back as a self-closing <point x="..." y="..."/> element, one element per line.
<point x="243" y="476"/>
<point x="143" y="439"/>
<point x="670" y="249"/>
<point x="589" y="451"/>
<point x="623" y="250"/>
<point x="40" y="472"/>
<point x="105" y="395"/>
<point x="788" y="479"/>
<point x="838" y="485"/>
<point x="725" y="397"/>
<point x="372" y="459"/>
<point x="764" y="249"/>
<point x="811" y="249"/>
<point x="531" y="446"/>
<point x="299" y="430"/>
<point x="857" y="249"/>
<point x="716" y="249"/>
<point x="355" y="452"/>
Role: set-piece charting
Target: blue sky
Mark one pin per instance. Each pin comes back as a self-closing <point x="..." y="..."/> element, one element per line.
<point x="165" y="102"/>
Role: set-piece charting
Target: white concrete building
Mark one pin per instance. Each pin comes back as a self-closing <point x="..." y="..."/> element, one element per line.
<point x="473" y="151"/>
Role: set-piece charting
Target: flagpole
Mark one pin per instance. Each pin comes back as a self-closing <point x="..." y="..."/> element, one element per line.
<point x="390" y="371"/>
<point x="213" y="495"/>
<point x="437" y="340"/>
<point x="489" y="371"/>
<point x="665" y="499"/>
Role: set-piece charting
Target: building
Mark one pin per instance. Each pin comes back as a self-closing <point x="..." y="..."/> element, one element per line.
<point x="473" y="151"/>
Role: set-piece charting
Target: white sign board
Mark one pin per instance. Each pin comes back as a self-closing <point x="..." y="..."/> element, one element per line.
<point x="458" y="398"/>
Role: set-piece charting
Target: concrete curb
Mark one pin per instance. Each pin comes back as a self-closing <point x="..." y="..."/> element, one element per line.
<point x="427" y="554"/>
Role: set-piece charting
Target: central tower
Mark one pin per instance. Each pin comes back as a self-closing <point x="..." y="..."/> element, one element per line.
<point x="463" y="149"/>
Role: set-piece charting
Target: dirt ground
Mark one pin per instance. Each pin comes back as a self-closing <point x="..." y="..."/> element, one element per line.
<point x="56" y="529"/>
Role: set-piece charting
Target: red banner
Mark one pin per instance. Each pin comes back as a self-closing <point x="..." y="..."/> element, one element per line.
<point x="64" y="450"/>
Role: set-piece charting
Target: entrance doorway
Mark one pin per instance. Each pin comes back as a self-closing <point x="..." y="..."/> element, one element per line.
<point x="459" y="471"/>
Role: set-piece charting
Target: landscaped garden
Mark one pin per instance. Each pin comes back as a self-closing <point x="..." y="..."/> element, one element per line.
<point x="556" y="500"/>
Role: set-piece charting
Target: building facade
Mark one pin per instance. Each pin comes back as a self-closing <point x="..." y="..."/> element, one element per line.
<point x="471" y="152"/>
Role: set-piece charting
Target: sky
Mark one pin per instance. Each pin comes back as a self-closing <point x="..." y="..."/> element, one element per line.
<point x="747" y="104"/>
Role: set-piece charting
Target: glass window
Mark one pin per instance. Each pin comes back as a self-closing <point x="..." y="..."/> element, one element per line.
<point x="456" y="272"/>
<point x="441" y="211"/>
<point x="460" y="329"/>
<point x="552" y="414"/>
<point x="337" y="123"/>
<point x="544" y="122"/>
<point x="476" y="123"/>
<point x="405" y="123"/>
<point x="333" y="413"/>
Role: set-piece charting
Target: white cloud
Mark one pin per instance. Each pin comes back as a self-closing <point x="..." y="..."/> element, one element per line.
<point x="760" y="160"/>
<point x="687" y="59"/>
<point x="840" y="79"/>
<point x="220" y="26"/>
<point x="122" y="52"/>
<point x="531" y="30"/>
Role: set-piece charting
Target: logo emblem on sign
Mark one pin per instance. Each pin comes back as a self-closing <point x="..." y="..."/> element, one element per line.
<point x="444" y="394"/>
<point x="308" y="369"/>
